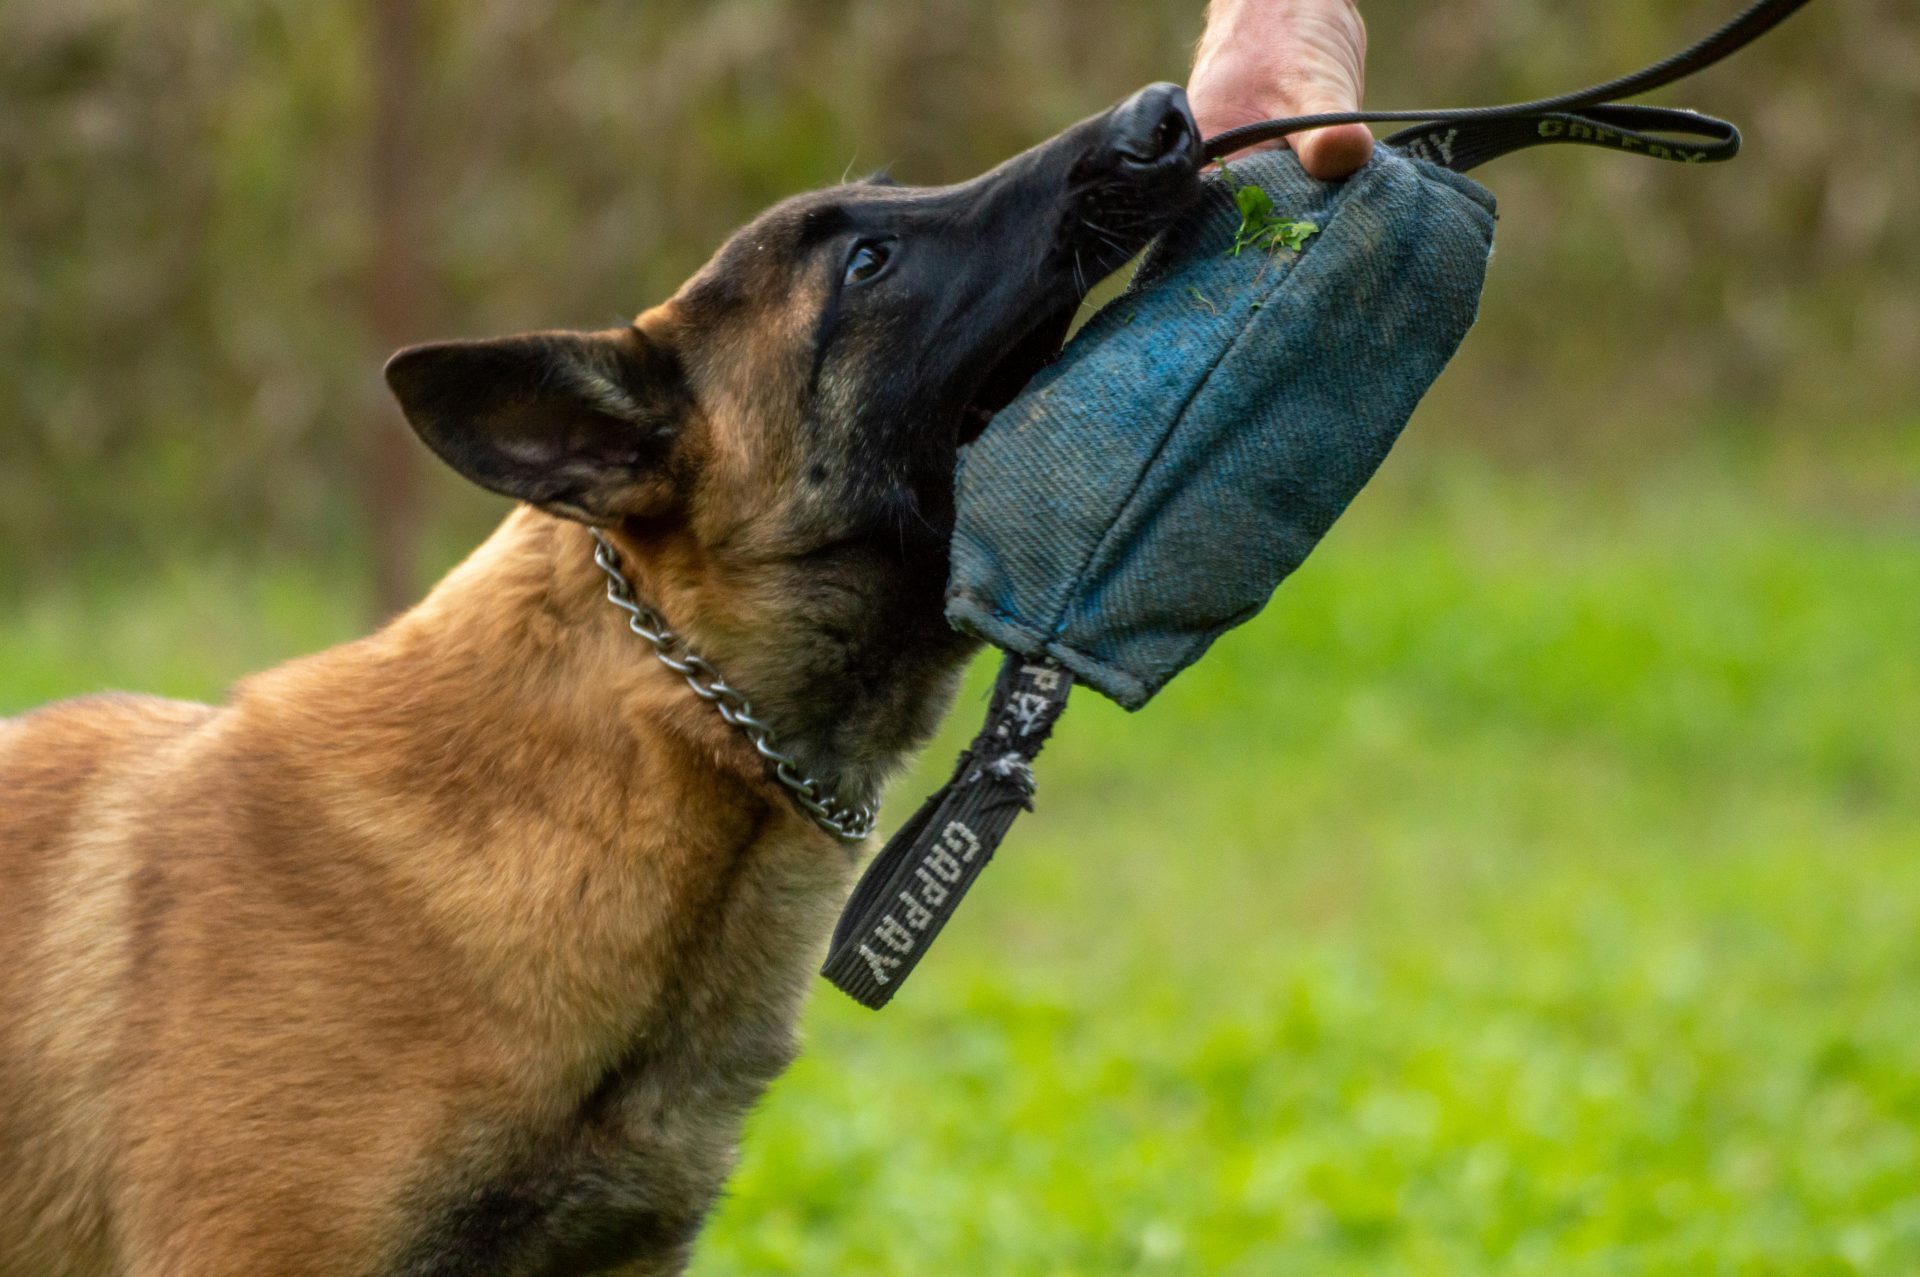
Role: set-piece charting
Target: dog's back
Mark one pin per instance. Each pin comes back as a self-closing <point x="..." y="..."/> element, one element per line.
<point x="78" y="777"/>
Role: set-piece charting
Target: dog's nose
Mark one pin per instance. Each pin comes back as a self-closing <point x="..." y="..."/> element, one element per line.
<point x="1153" y="126"/>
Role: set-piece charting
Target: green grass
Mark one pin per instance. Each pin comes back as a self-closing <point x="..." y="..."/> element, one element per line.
<point x="1534" y="888"/>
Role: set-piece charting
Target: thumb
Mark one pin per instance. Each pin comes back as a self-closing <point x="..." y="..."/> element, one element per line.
<point x="1332" y="153"/>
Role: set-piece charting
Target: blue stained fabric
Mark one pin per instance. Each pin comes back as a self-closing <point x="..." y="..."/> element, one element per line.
<point x="1149" y="490"/>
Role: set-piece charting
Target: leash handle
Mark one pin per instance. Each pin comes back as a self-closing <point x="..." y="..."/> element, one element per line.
<point x="917" y="881"/>
<point x="1462" y="138"/>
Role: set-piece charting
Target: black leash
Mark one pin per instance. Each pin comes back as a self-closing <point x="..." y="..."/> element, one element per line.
<point x="1465" y="137"/>
<point x="914" y="885"/>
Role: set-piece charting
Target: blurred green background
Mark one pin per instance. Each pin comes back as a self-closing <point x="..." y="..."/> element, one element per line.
<point x="1534" y="888"/>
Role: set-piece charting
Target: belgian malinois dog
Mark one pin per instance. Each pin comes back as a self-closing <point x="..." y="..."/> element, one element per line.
<point x="464" y="948"/>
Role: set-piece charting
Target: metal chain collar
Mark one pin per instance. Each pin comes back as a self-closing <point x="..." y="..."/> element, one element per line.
<point x="850" y="824"/>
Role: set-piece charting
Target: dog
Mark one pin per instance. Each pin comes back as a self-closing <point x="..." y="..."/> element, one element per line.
<point x="465" y="948"/>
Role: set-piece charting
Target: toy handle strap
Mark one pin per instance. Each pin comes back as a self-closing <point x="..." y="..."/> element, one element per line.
<point x="1463" y="137"/>
<point x="916" y="882"/>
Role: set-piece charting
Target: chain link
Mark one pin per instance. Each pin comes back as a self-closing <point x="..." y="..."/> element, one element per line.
<point x="850" y="824"/>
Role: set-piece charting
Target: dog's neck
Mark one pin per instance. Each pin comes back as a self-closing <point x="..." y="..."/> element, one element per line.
<point x="523" y="626"/>
<point x="852" y="674"/>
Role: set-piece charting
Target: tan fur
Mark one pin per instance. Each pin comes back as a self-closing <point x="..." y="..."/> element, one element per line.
<point x="279" y="960"/>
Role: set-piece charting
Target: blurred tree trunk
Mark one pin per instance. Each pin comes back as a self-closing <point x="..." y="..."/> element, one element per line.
<point x="394" y="292"/>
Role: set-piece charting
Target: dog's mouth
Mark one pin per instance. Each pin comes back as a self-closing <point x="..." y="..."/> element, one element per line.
<point x="1009" y="375"/>
<point x="1124" y="193"/>
<point x="1044" y="338"/>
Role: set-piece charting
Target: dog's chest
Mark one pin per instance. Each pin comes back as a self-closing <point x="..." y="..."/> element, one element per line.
<point x="629" y="1183"/>
<point x="631" y="1170"/>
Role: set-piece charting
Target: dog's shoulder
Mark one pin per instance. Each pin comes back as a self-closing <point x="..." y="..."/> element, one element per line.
<point x="57" y="765"/>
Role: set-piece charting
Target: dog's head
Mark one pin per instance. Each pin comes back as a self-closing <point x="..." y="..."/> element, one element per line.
<point x="790" y="419"/>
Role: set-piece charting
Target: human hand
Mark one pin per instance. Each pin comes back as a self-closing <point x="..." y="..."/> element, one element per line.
<point x="1259" y="59"/>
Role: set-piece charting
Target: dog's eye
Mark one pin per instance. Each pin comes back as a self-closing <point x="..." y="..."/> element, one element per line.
<point x="867" y="261"/>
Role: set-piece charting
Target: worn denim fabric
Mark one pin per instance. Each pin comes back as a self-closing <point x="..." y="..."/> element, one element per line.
<point x="1150" y="489"/>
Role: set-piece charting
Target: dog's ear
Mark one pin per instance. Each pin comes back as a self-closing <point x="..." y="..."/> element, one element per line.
<point x="581" y="424"/>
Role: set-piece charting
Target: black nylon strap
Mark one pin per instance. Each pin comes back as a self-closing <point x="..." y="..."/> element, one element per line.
<point x="916" y="882"/>
<point x="1640" y="130"/>
<point x="1463" y="137"/>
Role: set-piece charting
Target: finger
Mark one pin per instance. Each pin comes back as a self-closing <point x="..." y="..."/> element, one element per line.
<point x="1331" y="154"/>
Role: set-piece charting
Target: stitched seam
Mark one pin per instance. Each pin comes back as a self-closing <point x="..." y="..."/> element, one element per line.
<point x="1114" y="674"/>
